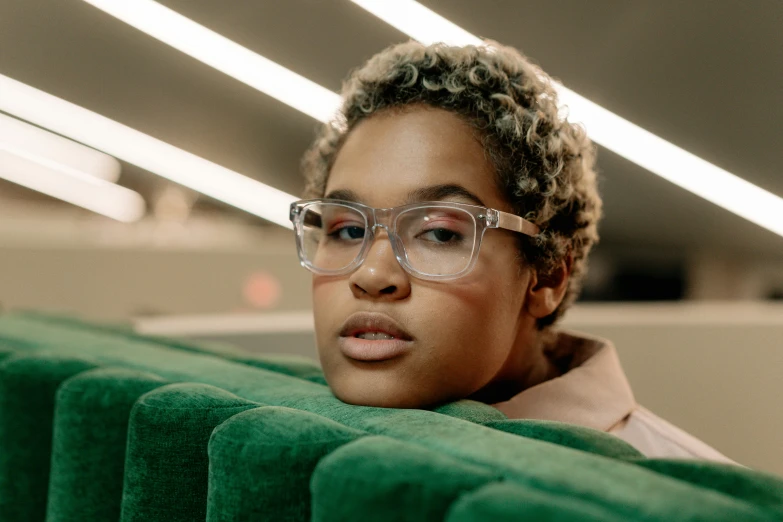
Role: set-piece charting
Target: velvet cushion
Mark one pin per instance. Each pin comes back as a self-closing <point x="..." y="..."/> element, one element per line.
<point x="167" y="465"/>
<point x="509" y="502"/>
<point x="167" y="474"/>
<point x="28" y="384"/>
<point x="761" y="489"/>
<point x="623" y="487"/>
<point x="389" y="480"/>
<point x="90" y="432"/>
<point x="261" y="462"/>
<point x="576" y="437"/>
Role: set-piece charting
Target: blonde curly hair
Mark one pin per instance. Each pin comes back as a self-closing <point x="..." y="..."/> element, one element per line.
<point x="545" y="166"/>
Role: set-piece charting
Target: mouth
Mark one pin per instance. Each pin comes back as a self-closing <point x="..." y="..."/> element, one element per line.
<point x="372" y="337"/>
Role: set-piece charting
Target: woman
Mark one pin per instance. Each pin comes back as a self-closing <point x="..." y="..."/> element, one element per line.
<point x="449" y="217"/>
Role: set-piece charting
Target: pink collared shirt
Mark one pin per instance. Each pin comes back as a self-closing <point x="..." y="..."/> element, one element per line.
<point x="595" y="393"/>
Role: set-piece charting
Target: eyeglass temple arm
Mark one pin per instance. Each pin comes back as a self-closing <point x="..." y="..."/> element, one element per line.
<point x="514" y="222"/>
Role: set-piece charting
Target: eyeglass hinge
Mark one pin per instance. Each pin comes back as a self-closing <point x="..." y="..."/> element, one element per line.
<point x="492" y="218"/>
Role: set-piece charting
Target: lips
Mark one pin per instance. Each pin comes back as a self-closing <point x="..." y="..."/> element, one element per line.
<point x="373" y="322"/>
<point x="372" y="337"/>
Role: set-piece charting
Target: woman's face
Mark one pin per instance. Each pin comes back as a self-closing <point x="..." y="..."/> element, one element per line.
<point x="456" y="335"/>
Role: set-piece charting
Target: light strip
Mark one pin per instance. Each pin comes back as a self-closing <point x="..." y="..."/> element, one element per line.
<point x="142" y="150"/>
<point x="615" y="133"/>
<point x="224" y="55"/>
<point x="77" y="188"/>
<point x="675" y="164"/>
<point x="55" y="151"/>
<point x="606" y="128"/>
<point x="418" y="22"/>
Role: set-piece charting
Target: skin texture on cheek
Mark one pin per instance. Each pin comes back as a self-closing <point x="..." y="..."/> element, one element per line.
<point x="460" y="345"/>
<point x="464" y="331"/>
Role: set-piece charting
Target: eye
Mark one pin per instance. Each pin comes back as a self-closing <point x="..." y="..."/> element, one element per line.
<point x="441" y="235"/>
<point x="347" y="233"/>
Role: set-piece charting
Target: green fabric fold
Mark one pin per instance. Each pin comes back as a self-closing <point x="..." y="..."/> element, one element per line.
<point x="90" y="432"/>
<point x="576" y="437"/>
<point x="28" y="384"/>
<point x="167" y="465"/>
<point x="389" y="480"/>
<point x="510" y="502"/>
<point x="261" y="462"/>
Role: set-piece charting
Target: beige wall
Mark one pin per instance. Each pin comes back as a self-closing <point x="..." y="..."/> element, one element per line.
<point x="117" y="283"/>
<point x="719" y="380"/>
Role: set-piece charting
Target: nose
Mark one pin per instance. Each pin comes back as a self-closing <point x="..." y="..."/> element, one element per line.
<point x="380" y="276"/>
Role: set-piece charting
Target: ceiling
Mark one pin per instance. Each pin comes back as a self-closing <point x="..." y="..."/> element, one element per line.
<point x="702" y="74"/>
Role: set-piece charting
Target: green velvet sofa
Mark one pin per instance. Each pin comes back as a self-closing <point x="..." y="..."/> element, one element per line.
<point x="100" y="424"/>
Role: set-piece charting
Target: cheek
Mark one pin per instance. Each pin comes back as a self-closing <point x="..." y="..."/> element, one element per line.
<point x="488" y="301"/>
<point x="322" y="290"/>
<point x="328" y="300"/>
<point x="479" y="322"/>
<point x="470" y="325"/>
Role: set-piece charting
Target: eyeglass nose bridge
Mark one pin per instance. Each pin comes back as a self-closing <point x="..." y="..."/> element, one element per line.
<point x="381" y="217"/>
<point x="384" y="218"/>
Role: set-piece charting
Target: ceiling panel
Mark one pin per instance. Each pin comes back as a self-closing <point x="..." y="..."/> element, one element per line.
<point x="702" y="74"/>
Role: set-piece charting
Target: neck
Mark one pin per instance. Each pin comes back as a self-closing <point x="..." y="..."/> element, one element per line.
<point x="528" y="364"/>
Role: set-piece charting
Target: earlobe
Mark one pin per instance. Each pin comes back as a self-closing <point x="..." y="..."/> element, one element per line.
<point x="546" y="292"/>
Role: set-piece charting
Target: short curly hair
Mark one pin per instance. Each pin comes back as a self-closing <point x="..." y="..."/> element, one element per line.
<point x="545" y="165"/>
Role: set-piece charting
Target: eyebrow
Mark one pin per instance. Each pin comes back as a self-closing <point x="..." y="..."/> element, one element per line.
<point x="430" y="193"/>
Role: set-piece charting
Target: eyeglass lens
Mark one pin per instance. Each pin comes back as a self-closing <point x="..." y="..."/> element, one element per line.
<point x="435" y="240"/>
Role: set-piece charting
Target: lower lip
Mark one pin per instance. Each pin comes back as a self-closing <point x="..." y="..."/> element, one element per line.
<point x="373" y="350"/>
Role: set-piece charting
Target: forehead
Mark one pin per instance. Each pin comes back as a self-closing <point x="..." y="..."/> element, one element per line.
<point x="394" y="153"/>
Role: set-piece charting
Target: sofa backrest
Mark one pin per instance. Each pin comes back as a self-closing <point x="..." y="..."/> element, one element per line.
<point x="99" y="421"/>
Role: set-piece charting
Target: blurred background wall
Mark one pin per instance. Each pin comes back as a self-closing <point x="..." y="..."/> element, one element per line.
<point x="704" y="75"/>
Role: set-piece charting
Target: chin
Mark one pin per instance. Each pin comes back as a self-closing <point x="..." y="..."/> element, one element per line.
<point x="373" y="391"/>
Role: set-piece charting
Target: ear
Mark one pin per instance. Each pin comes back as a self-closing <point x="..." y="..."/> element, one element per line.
<point x="546" y="291"/>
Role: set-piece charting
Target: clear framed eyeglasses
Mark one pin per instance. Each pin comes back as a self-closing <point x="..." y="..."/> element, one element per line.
<point x="435" y="240"/>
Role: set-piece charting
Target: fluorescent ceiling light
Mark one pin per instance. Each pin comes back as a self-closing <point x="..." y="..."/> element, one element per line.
<point x="77" y="188"/>
<point x="613" y="132"/>
<point x="142" y="150"/>
<point x="418" y="22"/>
<point x="224" y="55"/>
<point x="675" y="164"/>
<point x="54" y="151"/>
<point x="606" y="128"/>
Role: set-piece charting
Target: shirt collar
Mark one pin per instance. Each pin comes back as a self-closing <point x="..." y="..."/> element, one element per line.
<point x="594" y="392"/>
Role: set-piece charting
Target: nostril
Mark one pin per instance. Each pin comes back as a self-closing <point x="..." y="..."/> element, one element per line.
<point x="389" y="290"/>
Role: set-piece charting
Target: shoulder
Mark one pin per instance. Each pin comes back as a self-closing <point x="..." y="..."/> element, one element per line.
<point x="657" y="438"/>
